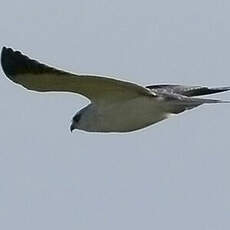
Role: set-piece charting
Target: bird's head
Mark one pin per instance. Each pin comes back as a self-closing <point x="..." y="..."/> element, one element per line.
<point x="86" y="119"/>
<point x="76" y="121"/>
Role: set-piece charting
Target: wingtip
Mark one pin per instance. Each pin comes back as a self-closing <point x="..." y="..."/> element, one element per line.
<point x="3" y="51"/>
<point x="4" y="48"/>
<point x="13" y="62"/>
<point x="6" y="51"/>
<point x="7" y="57"/>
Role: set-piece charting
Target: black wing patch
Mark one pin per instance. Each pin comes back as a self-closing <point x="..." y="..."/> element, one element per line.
<point x="15" y="63"/>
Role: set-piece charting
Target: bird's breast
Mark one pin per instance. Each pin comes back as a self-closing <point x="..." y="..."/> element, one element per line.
<point x="127" y="115"/>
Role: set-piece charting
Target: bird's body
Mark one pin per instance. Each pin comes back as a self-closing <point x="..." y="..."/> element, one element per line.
<point x="116" y="106"/>
<point x="122" y="116"/>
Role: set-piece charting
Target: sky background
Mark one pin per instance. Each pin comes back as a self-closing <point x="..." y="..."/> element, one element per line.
<point x="173" y="175"/>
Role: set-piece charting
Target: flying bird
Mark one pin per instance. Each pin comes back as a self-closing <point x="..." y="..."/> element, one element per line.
<point x="116" y="105"/>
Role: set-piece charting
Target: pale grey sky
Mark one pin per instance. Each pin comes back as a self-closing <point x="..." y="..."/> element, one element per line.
<point x="174" y="175"/>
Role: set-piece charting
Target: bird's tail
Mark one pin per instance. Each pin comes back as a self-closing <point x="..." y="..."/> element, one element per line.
<point x="178" y="103"/>
<point x="209" y="101"/>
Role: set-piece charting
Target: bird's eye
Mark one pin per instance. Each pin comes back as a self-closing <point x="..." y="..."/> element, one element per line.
<point x="77" y="117"/>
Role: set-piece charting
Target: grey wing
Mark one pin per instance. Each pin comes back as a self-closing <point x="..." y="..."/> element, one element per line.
<point x="39" y="77"/>
<point x="189" y="91"/>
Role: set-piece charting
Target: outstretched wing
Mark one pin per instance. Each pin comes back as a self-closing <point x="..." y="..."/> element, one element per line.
<point x="39" y="77"/>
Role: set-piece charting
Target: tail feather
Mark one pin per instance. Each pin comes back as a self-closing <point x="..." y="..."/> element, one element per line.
<point x="210" y="101"/>
<point x="175" y="103"/>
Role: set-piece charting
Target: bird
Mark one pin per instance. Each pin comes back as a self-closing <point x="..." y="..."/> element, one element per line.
<point x="115" y="105"/>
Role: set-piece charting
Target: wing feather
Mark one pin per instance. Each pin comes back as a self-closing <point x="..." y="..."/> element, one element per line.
<point x="189" y="91"/>
<point x="36" y="76"/>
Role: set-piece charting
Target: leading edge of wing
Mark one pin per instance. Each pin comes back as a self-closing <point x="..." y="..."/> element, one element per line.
<point x="36" y="76"/>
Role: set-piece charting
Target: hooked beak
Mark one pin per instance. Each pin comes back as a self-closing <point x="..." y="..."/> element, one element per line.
<point x="72" y="128"/>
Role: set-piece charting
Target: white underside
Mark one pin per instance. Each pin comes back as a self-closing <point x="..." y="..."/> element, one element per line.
<point x="123" y="116"/>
